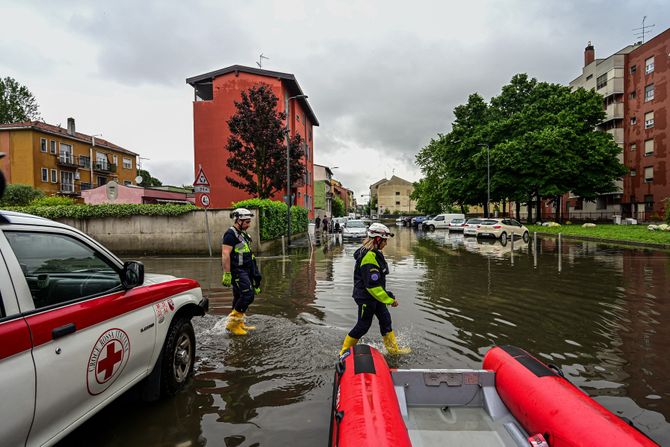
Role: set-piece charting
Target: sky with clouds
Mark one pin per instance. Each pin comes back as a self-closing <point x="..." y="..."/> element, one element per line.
<point x="383" y="77"/>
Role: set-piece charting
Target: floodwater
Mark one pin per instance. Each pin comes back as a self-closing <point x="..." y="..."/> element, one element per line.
<point x="598" y="312"/>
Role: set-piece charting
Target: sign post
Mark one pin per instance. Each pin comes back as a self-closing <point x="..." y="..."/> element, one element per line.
<point x="201" y="186"/>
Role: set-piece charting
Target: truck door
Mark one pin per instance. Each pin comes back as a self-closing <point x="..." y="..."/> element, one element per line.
<point x="91" y="341"/>
<point x="17" y="370"/>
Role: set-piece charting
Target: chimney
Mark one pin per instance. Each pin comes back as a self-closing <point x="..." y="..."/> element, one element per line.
<point x="589" y="54"/>
<point x="70" y="126"/>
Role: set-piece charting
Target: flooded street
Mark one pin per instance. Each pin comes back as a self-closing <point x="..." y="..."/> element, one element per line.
<point x="598" y="312"/>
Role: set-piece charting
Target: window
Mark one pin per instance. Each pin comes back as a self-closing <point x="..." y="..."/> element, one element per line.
<point x="84" y="161"/>
<point x="601" y="81"/>
<point x="397" y="203"/>
<point x="54" y="176"/>
<point x="52" y="148"/>
<point x="589" y="77"/>
<point x="649" y="92"/>
<point x="649" y="147"/>
<point x="633" y="69"/>
<point x="127" y="163"/>
<point x="633" y="94"/>
<point x="43" y="145"/>
<point x="601" y="203"/>
<point x="102" y="180"/>
<point x="397" y="193"/>
<point x="633" y="120"/>
<point x="633" y="147"/>
<point x="649" y="174"/>
<point x="45" y="175"/>
<point x="60" y="269"/>
<point x="66" y="181"/>
<point x="633" y="173"/>
<point x="649" y="120"/>
<point x="649" y="65"/>
<point x="115" y="159"/>
<point x="100" y="161"/>
<point x="439" y="219"/>
<point x="649" y="202"/>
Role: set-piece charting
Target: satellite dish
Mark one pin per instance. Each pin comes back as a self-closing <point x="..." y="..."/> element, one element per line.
<point x="138" y="179"/>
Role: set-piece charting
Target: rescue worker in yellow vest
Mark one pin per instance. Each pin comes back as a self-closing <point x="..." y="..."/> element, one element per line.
<point x="239" y="270"/>
<point x="370" y="291"/>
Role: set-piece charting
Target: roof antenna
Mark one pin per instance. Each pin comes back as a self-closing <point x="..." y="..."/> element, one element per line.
<point x="260" y="60"/>
<point x="640" y="32"/>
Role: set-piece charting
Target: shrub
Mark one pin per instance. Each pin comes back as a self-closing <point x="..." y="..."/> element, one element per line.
<point x="667" y="210"/>
<point x="20" y="195"/>
<point x="101" y="211"/>
<point x="53" y="201"/>
<point x="272" y="219"/>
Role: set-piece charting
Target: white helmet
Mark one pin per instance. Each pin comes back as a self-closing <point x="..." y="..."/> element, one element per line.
<point x="241" y="214"/>
<point x="379" y="230"/>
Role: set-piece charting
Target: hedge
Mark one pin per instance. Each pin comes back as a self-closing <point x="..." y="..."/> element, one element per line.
<point x="272" y="219"/>
<point x="106" y="210"/>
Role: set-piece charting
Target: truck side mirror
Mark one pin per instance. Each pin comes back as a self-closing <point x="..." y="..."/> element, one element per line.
<point x="132" y="274"/>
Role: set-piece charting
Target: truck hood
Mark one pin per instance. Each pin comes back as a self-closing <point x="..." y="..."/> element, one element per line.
<point x="156" y="278"/>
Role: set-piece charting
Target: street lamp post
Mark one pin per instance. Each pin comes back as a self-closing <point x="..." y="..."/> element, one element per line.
<point x="288" y="166"/>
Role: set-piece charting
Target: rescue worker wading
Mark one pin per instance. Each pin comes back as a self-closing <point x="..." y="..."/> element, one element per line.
<point x="239" y="270"/>
<point x="370" y="291"/>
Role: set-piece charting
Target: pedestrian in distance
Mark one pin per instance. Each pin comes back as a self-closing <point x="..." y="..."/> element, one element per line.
<point x="239" y="270"/>
<point x="370" y="293"/>
<point x="324" y="222"/>
<point x="317" y="222"/>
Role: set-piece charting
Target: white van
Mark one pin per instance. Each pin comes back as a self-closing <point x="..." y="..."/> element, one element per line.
<point x="441" y="220"/>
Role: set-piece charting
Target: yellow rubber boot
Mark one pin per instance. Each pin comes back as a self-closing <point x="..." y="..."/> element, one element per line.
<point x="244" y="325"/>
<point x="348" y="343"/>
<point x="392" y="345"/>
<point x="234" y="324"/>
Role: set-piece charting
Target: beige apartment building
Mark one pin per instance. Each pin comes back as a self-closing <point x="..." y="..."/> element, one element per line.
<point x="607" y="77"/>
<point x="393" y="195"/>
<point x="62" y="161"/>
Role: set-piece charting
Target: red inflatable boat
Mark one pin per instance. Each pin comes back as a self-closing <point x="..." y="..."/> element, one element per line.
<point x="515" y="400"/>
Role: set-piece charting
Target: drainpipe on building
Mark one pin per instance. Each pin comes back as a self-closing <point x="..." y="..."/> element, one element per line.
<point x="90" y="158"/>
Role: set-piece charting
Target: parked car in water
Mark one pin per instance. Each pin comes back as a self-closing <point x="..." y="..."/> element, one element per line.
<point x="418" y="220"/>
<point x="470" y="227"/>
<point x="442" y="220"/>
<point x="456" y="225"/>
<point x="502" y="229"/>
<point x="79" y="327"/>
<point x="354" y="229"/>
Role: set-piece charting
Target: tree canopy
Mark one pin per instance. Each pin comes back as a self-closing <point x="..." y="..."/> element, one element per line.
<point x="541" y="140"/>
<point x="17" y="103"/>
<point x="257" y="145"/>
<point x="147" y="179"/>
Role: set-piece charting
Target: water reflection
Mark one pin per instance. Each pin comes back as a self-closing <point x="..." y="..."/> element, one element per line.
<point x="596" y="311"/>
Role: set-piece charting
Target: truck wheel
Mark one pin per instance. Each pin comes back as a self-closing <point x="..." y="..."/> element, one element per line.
<point x="178" y="356"/>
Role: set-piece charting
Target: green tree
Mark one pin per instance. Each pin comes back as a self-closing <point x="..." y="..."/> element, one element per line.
<point x="541" y="141"/>
<point x="17" y="103"/>
<point x="147" y="179"/>
<point x="338" y="207"/>
<point x="257" y="145"/>
<point x="19" y="195"/>
<point x="427" y="196"/>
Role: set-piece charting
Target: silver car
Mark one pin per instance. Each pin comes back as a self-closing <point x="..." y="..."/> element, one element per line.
<point x="470" y="227"/>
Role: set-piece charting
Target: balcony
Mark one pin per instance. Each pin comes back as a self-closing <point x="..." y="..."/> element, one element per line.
<point x="617" y="133"/>
<point x="67" y="161"/>
<point x="614" y="86"/>
<point x="69" y="189"/>
<point x="103" y="166"/>
<point x="614" y="111"/>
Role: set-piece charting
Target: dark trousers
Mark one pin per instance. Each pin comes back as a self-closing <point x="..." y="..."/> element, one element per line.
<point x="366" y="310"/>
<point x="243" y="291"/>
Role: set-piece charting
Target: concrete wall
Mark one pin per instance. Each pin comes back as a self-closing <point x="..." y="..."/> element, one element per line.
<point x="163" y="235"/>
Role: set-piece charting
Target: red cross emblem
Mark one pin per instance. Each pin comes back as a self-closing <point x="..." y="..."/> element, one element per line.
<point x="108" y="358"/>
<point x="110" y="361"/>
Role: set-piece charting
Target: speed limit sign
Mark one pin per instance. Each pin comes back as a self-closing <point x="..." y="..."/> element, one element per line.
<point x="204" y="199"/>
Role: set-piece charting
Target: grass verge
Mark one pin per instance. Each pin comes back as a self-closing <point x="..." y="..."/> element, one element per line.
<point x="630" y="233"/>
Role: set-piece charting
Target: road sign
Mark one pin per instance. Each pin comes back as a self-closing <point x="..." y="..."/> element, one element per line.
<point x="201" y="179"/>
<point x="204" y="199"/>
<point x="201" y="189"/>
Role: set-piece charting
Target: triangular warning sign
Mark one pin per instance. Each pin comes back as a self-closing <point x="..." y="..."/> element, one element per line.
<point x="201" y="179"/>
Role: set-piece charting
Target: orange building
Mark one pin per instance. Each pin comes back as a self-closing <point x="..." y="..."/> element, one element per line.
<point x="213" y="106"/>
<point x="62" y="161"/>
